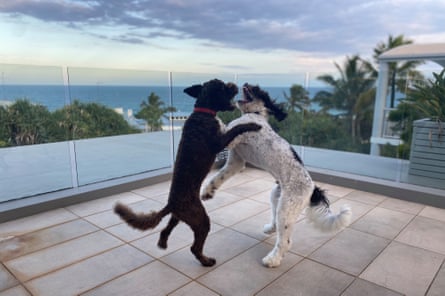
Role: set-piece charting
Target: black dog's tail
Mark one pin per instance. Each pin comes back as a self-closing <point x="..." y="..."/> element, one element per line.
<point x="319" y="213"/>
<point x="140" y="221"/>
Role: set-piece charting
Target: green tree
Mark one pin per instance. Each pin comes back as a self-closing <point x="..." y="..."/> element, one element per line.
<point x="398" y="71"/>
<point x="4" y="129"/>
<point x="349" y="93"/>
<point x="24" y="123"/>
<point x="152" y="112"/>
<point x="87" y="120"/>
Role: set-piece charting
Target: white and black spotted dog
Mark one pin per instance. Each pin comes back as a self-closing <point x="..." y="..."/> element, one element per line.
<point x="295" y="189"/>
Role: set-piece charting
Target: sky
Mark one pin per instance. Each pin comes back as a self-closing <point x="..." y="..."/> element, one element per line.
<point x="222" y="36"/>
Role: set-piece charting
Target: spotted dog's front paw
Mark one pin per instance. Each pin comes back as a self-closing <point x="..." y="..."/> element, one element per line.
<point x="269" y="228"/>
<point x="272" y="260"/>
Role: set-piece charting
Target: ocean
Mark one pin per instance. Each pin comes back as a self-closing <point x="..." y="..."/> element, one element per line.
<point x="114" y="96"/>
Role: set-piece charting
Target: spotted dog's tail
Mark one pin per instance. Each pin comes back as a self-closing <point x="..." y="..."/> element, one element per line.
<point x="140" y="221"/>
<point x="320" y="214"/>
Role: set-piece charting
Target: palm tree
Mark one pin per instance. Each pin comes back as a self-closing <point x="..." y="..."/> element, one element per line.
<point x="348" y="92"/>
<point x="25" y="123"/>
<point x="152" y="112"/>
<point x="298" y="98"/>
<point x="397" y="69"/>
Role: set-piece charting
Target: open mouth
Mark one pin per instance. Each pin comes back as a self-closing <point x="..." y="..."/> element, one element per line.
<point x="247" y="95"/>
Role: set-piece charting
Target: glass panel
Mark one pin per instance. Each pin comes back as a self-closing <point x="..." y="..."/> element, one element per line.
<point x="117" y="128"/>
<point x="34" y="156"/>
<point x="422" y="129"/>
<point x="337" y="131"/>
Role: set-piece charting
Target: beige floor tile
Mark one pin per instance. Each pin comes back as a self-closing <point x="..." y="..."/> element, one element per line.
<point x="257" y="173"/>
<point x="336" y="190"/>
<point x="35" y="222"/>
<point x="237" y="212"/>
<point x="263" y="196"/>
<point x="433" y="213"/>
<point x="181" y="237"/>
<point x="154" y="279"/>
<point x="90" y="273"/>
<point x="230" y="278"/>
<point x="7" y="280"/>
<point x="49" y="259"/>
<point x="253" y="226"/>
<point x="364" y="288"/>
<point x="366" y="197"/>
<point x="104" y="219"/>
<point x="405" y="269"/>
<point x="127" y="233"/>
<point x="154" y="190"/>
<point x="438" y="286"/>
<point x="193" y="289"/>
<point x="220" y="199"/>
<point x="103" y="204"/>
<point x="162" y="198"/>
<point x="236" y="180"/>
<point x="34" y="241"/>
<point x="222" y="245"/>
<point x="16" y="291"/>
<point x="309" y="278"/>
<point x="251" y="188"/>
<point x="383" y="222"/>
<point x="402" y="206"/>
<point x="305" y="238"/>
<point x="424" y="233"/>
<point x="350" y="251"/>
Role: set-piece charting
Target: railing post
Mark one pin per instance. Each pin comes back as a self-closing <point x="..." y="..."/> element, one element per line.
<point x="71" y="144"/>
<point x="379" y="105"/>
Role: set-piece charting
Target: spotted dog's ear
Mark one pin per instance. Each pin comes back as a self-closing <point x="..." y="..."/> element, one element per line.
<point x="193" y="90"/>
<point x="277" y="110"/>
<point x="279" y="113"/>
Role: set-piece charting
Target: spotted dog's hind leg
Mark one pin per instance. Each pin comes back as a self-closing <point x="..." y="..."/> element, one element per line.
<point x="288" y="210"/>
<point x="234" y="165"/>
<point x="274" y="197"/>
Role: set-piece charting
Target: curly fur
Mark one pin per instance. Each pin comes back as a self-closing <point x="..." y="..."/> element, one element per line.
<point x="203" y="136"/>
<point x="295" y="189"/>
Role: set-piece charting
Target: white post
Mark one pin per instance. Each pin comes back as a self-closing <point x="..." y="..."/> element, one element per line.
<point x="379" y="106"/>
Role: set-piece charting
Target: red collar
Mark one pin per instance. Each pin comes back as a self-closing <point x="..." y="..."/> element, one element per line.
<point x="205" y="110"/>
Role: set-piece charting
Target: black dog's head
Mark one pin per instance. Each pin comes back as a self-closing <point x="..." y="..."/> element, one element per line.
<point x="256" y="100"/>
<point x="213" y="94"/>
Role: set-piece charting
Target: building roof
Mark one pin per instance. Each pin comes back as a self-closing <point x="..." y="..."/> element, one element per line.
<point x="413" y="52"/>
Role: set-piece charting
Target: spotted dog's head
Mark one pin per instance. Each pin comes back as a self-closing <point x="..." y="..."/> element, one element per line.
<point x="256" y="100"/>
<point x="213" y="94"/>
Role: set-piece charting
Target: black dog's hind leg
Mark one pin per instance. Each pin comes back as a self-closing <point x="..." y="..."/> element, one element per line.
<point x="199" y="222"/>
<point x="165" y="233"/>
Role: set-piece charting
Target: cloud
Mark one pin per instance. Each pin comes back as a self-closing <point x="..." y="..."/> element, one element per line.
<point x="334" y="27"/>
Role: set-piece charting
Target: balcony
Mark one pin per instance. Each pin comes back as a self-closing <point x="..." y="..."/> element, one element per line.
<point x="392" y="247"/>
<point x="59" y="235"/>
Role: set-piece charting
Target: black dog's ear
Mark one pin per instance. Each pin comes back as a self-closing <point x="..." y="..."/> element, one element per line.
<point x="193" y="90"/>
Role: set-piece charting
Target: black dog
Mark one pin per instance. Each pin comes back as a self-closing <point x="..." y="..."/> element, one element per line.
<point x="203" y="136"/>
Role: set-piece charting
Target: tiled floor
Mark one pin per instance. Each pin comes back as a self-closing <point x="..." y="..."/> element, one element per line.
<point x="392" y="247"/>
